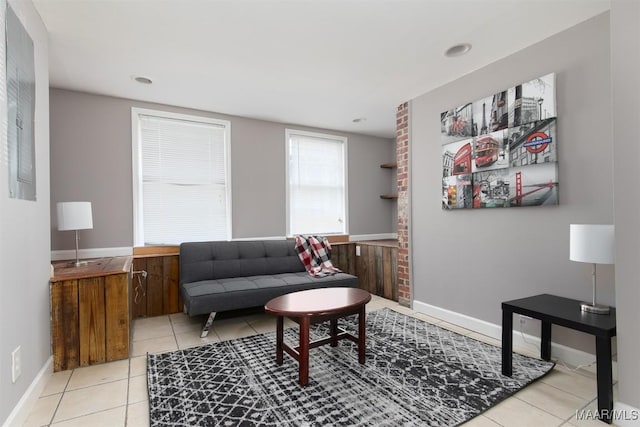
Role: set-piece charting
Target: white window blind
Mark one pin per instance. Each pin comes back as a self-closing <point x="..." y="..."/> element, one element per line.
<point x="182" y="188"/>
<point x="316" y="175"/>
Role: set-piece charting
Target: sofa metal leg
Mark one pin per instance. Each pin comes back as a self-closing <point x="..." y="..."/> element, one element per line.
<point x="184" y="308"/>
<point x="207" y="324"/>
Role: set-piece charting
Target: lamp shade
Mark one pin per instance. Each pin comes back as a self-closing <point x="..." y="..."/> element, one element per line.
<point x="592" y="243"/>
<point x="74" y="216"/>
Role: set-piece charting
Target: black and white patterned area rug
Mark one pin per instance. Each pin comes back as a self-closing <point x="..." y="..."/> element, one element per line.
<point x="416" y="374"/>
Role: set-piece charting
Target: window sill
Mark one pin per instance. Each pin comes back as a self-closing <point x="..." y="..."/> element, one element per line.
<point x="153" y="251"/>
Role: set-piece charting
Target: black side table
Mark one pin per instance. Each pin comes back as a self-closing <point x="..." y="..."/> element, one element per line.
<point x="565" y="312"/>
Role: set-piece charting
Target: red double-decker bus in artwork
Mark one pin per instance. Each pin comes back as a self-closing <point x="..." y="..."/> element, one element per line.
<point x="487" y="151"/>
<point x="462" y="160"/>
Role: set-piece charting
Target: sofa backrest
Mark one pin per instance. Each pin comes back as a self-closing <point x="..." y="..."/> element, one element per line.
<point x="218" y="260"/>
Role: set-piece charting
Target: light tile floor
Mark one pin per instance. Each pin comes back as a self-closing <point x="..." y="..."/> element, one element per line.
<point x="115" y="394"/>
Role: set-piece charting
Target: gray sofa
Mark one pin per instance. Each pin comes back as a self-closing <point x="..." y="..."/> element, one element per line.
<point x="229" y="275"/>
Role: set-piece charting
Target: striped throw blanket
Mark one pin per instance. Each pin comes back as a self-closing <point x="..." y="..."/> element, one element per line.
<point x="315" y="254"/>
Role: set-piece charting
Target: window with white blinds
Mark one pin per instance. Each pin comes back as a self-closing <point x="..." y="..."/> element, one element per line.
<point x="181" y="178"/>
<point x="316" y="183"/>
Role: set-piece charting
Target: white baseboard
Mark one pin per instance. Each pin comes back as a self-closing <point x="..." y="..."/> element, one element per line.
<point x="381" y="236"/>
<point x="91" y="253"/>
<point x="21" y="411"/>
<point x="625" y="415"/>
<point x="568" y="355"/>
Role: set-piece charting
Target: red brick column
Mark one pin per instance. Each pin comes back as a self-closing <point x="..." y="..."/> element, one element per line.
<point x="402" y="158"/>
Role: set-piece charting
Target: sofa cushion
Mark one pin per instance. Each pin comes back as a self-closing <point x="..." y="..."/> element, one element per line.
<point x="232" y="293"/>
<point x="217" y="260"/>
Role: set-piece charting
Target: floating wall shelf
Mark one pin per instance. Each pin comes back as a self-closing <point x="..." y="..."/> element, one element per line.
<point x="389" y="165"/>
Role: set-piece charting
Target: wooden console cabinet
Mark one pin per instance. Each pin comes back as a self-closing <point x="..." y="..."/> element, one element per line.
<point x="90" y="313"/>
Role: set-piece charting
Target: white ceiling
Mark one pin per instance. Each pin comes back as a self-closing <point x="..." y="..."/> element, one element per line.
<point x="318" y="63"/>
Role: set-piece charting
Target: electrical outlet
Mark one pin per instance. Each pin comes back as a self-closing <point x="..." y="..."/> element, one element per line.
<point x="357" y="250"/>
<point x="16" y="364"/>
<point x="523" y="320"/>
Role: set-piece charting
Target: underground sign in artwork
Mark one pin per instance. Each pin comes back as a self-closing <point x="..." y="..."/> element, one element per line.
<point x="501" y="151"/>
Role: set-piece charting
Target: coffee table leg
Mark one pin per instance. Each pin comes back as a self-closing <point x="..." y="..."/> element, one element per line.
<point x="304" y="351"/>
<point x="279" y="339"/>
<point x="361" y="335"/>
<point x="334" y="332"/>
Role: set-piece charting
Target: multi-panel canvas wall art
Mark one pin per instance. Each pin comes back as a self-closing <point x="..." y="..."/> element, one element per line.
<point x="501" y="150"/>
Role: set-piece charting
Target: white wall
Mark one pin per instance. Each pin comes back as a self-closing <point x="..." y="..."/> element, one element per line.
<point x="625" y="72"/>
<point x="91" y="160"/>
<point x="469" y="261"/>
<point x="24" y="236"/>
<point x="481" y="258"/>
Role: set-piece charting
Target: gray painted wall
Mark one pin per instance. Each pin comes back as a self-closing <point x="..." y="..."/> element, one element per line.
<point x="469" y="261"/>
<point x="24" y="237"/>
<point x="91" y="160"/>
<point x="625" y="72"/>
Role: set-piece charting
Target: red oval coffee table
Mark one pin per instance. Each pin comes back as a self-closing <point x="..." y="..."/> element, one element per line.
<point x="313" y="306"/>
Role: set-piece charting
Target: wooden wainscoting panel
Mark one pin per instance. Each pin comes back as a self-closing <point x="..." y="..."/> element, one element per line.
<point x="389" y="272"/>
<point x="380" y="278"/>
<point x="376" y="267"/>
<point x="362" y="269"/>
<point x="139" y="289"/>
<point x="91" y="315"/>
<point x="117" y="316"/>
<point x="155" y="279"/>
<point x="351" y="259"/>
<point x="343" y="256"/>
<point x="339" y="256"/>
<point x="394" y="273"/>
<point x="159" y="292"/>
<point x="172" y="302"/>
<point x="370" y="259"/>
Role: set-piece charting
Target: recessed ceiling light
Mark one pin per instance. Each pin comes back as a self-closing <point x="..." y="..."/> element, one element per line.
<point x="457" y="50"/>
<point x="143" y="80"/>
<point x="359" y="120"/>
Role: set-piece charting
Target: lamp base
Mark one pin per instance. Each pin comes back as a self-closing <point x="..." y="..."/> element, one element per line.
<point x="77" y="264"/>
<point x="594" y="308"/>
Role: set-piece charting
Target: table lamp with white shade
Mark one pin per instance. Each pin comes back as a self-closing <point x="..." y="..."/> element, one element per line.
<point x="595" y="244"/>
<point x="75" y="216"/>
